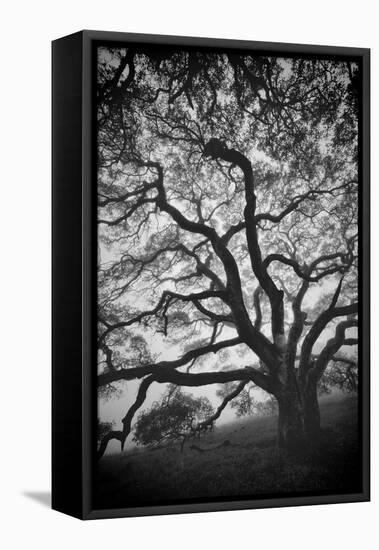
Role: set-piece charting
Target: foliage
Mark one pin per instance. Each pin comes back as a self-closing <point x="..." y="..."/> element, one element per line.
<point x="342" y="374"/>
<point x="173" y="418"/>
<point x="246" y="404"/>
<point x="249" y="401"/>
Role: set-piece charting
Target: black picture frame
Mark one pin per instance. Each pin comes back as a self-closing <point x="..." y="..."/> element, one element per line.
<point x="74" y="273"/>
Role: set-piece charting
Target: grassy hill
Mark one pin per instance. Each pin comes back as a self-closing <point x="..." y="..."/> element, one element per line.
<point x="239" y="459"/>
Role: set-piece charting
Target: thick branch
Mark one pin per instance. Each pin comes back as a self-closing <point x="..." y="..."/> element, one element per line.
<point x="318" y="326"/>
<point x="257" y="307"/>
<point x="121" y="435"/>
<point x="332" y="346"/>
<point x="297" y="326"/>
<point x="341" y="359"/>
<point x="218" y="150"/>
<point x="144" y="370"/>
<point x="252" y="337"/>
<point x="163" y="303"/>
<point x="306" y="274"/>
<point x="218" y="377"/>
<point x="259" y="343"/>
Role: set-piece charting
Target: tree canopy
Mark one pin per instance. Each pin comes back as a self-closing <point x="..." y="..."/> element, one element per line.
<point x="176" y="417"/>
<point x="227" y="220"/>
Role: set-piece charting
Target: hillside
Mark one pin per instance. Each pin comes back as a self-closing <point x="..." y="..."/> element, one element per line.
<point x="237" y="459"/>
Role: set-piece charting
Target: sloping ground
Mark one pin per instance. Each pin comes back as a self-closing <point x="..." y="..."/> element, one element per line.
<point x="239" y="460"/>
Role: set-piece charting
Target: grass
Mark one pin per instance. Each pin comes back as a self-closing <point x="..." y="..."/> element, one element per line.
<point x="249" y="465"/>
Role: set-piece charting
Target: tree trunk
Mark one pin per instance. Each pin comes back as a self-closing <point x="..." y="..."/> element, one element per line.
<point x="291" y="435"/>
<point x="299" y="416"/>
<point x="311" y="413"/>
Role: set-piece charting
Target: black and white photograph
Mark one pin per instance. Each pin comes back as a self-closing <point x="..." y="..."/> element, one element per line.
<point x="189" y="299"/>
<point x="228" y="214"/>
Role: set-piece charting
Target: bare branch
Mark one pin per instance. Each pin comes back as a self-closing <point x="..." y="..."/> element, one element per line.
<point x="209" y="421"/>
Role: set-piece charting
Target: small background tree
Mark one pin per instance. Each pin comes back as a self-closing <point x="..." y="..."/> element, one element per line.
<point x="172" y="419"/>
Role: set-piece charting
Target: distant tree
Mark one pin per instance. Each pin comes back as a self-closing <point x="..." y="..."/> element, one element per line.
<point x="342" y="374"/>
<point x="246" y="402"/>
<point x="228" y="222"/>
<point x="175" y="418"/>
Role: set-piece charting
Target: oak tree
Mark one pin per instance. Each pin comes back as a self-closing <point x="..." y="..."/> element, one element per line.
<point x="227" y="223"/>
